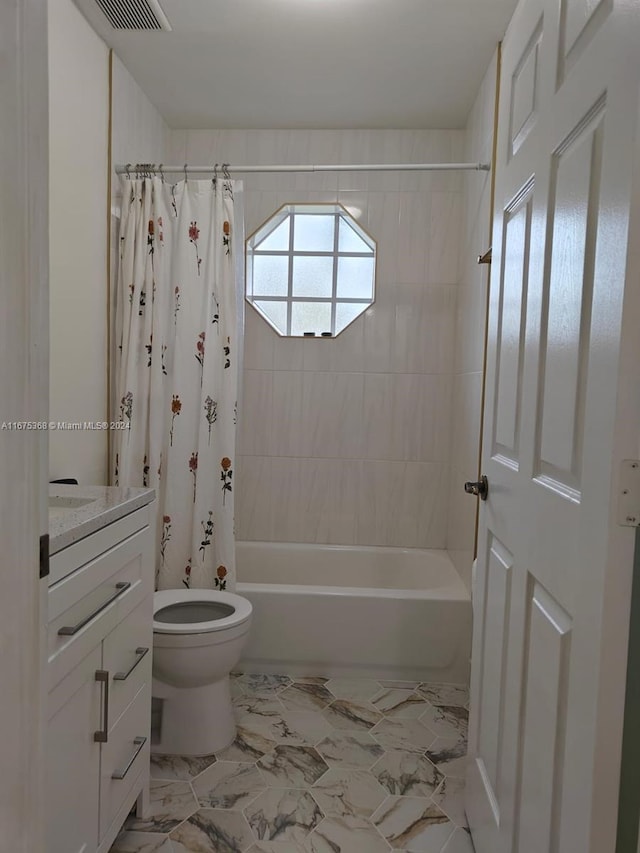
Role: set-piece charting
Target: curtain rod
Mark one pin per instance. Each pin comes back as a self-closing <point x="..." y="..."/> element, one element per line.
<point x="151" y="168"/>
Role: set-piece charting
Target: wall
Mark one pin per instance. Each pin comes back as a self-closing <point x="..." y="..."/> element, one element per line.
<point x="139" y="134"/>
<point x="348" y="440"/>
<point x="470" y="326"/>
<point x="79" y="126"/>
<point x="78" y="116"/>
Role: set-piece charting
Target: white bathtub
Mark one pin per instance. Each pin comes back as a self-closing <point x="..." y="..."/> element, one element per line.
<point x="333" y="610"/>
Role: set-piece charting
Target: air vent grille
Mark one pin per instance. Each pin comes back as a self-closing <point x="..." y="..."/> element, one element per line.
<point x="134" y="14"/>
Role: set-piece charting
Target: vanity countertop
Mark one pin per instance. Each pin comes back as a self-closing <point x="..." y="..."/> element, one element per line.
<point x="78" y="511"/>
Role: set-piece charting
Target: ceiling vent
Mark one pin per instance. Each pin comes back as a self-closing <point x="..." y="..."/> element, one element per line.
<point x="134" y="14"/>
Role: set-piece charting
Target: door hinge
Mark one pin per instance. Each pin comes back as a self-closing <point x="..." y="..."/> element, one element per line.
<point x="44" y="555"/>
<point x="629" y="493"/>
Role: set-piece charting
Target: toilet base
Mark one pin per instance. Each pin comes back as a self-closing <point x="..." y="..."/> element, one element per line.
<point x="195" y="720"/>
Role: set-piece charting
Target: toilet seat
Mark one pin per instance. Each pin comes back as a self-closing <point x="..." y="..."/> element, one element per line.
<point x="177" y="598"/>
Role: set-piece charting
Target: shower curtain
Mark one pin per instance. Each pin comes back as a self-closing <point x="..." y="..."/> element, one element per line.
<point x="176" y="350"/>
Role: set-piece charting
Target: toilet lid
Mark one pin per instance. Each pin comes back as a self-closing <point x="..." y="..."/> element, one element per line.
<point x="197" y="611"/>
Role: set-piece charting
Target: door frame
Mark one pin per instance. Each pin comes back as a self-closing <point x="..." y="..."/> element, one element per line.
<point x="24" y="390"/>
<point x="628" y="830"/>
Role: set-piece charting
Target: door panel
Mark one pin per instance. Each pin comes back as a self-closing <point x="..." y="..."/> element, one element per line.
<point x="562" y="411"/>
<point x="566" y="325"/>
<point x="497" y="600"/>
<point x="525" y="92"/>
<point x="512" y="324"/>
<point x="580" y="20"/>
<point x="547" y="643"/>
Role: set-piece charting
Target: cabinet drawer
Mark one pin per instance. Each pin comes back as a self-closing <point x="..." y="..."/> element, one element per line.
<point x="69" y="559"/>
<point x="126" y="655"/>
<point x="124" y="756"/>
<point x="88" y="604"/>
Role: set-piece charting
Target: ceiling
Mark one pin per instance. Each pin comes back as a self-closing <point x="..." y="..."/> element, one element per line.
<point x="313" y="63"/>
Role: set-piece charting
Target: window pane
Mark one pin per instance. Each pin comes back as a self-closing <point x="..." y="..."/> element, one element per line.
<point x="310" y="317"/>
<point x="276" y="312"/>
<point x="301" y="261"/>
<point x="313" y="232"/>
<point x="313" y="277"/>
<point x="278" y="240"/>
<point x="355" y="278"/>
<point x="270" y="275"/>
<point x="346" y="312"/>
<point x="350" y="241"/>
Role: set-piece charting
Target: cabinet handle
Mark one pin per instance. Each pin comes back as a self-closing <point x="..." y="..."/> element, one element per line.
<point x="139" y="742"/>
<point x="102" y="735"/>
<point x="70" y="630"/>
<point x="141" y="651"/>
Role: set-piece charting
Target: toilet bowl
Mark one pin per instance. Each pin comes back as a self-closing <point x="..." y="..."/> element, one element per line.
<point x="198" y="635"/>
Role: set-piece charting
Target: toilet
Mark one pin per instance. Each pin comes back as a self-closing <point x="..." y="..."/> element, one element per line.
<point x="198" y="635"/>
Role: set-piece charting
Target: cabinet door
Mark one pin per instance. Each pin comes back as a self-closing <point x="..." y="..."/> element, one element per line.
<point x="73" y="759"/>
<point x="125" y="760"/>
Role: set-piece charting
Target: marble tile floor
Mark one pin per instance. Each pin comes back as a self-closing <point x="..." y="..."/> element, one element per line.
<point x="318" y="766"/>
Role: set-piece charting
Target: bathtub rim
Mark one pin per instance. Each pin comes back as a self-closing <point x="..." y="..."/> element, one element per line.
<point x="430" y="594"/>
<point x="454" y="589"/>
<point x="325" y="546"/>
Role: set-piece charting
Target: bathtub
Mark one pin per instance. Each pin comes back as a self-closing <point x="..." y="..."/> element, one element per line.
<point x="334" y="610"/>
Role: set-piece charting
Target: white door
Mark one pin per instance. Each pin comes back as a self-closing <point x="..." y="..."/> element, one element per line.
<point x="561" y="413"/>
<point x="23" y="397"/>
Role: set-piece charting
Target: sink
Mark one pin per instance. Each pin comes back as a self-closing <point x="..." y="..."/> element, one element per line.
<point x="56" y="502"/>
<point x="59" y="506"/>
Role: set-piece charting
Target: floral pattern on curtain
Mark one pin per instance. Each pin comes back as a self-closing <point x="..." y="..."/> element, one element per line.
<point x="176" y="371"/>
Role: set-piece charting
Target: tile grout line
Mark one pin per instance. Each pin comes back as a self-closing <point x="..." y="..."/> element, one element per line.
<point x="282" y="711"/>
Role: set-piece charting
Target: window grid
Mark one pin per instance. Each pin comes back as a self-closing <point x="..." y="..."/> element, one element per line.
<point x="334" y="282"/>
<point x="291" y="254"/>
<point x="292" y="225"/>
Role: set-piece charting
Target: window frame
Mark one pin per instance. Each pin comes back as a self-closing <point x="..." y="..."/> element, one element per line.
<point x="290" y="211"/>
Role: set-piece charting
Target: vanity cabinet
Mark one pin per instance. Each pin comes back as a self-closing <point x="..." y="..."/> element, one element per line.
<point x="99" y="637"/>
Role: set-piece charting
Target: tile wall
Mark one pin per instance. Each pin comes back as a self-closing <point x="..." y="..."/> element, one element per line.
<point x="469" y="330"/>
<point x="349" y="441"/>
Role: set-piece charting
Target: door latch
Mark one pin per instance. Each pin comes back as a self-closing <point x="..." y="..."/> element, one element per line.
<point x="480" y="488"/>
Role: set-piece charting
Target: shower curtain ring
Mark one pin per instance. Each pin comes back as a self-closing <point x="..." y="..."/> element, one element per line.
<point x="225" y="171"/>
<point x="127" y="168"/>
<point x="161" y="173"/>
<point x="185" y="173"/>
<point x="214" y="180"/>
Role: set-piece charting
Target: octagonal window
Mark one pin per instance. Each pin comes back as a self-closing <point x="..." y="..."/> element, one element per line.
<point x="311" y="270"/>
